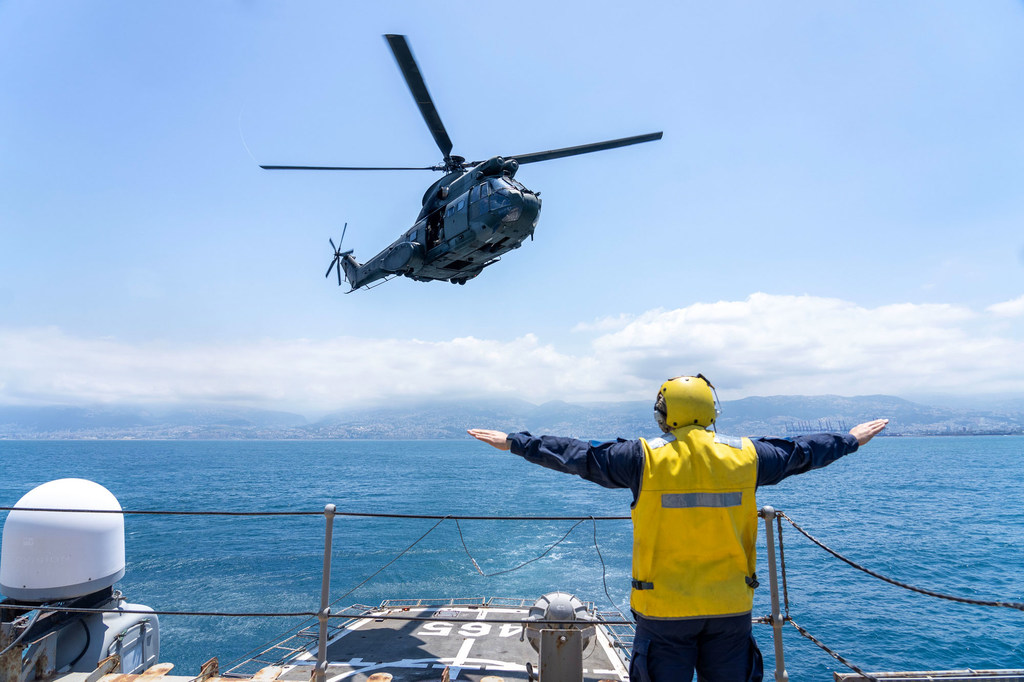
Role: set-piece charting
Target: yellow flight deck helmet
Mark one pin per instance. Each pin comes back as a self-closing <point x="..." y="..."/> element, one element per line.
<point x="685" y="401"/>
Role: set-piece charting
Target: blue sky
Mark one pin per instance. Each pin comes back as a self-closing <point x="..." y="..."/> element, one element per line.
<point x="835" y="206"/>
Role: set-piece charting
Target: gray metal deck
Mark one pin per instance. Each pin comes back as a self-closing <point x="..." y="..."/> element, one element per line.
<point x="475" y="640"/>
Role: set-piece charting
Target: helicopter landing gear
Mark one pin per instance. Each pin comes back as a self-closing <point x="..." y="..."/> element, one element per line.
<point x="458" y="280"/>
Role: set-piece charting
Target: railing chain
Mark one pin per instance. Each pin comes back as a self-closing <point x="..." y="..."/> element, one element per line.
<point x="832" y="653"/>
<point x="963" y="600"/>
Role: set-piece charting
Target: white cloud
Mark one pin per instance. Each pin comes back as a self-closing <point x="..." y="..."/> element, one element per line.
<point x="804" y="344"/>
<point x="45" y="365"/>
<point x="763" y="345"/>
<point x="1013" y="308"/>
<point x="605" y="324"/>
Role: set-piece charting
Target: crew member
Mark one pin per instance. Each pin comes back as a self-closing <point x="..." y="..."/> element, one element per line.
<point x="694" y="525"/>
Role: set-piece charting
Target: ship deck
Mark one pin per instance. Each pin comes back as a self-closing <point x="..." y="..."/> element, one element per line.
<point x="474" y="640"/>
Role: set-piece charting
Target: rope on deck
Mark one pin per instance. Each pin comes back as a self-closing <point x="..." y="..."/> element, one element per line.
<point x="963" y="600"/>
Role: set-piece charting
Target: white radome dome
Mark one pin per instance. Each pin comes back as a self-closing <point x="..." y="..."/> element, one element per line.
<point x="48" y="556"/>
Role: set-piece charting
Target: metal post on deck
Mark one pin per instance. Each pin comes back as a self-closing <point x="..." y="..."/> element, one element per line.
<point x="773" y="579"/>
<point x="320" y="672"/>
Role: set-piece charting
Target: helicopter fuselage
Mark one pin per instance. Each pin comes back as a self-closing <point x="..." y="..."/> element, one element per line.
<point x="468" y="220"/>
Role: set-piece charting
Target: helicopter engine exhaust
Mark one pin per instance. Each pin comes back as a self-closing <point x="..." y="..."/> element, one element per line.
<point x="498" y="165"/>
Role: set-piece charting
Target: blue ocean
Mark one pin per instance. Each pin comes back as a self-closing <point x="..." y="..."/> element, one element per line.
<point x="946" y="514"/>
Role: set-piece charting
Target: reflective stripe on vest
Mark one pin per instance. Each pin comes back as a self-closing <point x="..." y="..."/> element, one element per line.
<point x="695" y="526"/>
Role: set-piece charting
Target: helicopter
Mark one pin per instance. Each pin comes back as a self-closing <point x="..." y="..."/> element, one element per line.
<point x="469" y="218"/>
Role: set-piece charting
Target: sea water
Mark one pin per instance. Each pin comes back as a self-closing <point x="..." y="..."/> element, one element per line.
<point x="946" y="514"/>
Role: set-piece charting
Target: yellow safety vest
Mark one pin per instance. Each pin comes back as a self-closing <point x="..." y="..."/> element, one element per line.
<point x="695" y="526"/>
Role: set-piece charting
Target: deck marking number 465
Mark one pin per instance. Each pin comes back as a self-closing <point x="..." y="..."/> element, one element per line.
<point x="443" y="629"/>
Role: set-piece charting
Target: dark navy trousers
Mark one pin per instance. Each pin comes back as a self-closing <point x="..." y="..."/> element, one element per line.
<point x="719" y="649"/>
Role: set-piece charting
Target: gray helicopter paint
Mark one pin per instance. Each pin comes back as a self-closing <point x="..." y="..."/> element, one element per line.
<point x="452" y="240"/>
<point x="470" y="236"/>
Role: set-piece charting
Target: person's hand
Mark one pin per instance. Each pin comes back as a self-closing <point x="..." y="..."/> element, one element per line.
<point x="498" y="439"/>
<point x="868" y="430"/>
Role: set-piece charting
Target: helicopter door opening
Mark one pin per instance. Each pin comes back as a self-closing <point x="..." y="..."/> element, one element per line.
<point x="435" y="228"/>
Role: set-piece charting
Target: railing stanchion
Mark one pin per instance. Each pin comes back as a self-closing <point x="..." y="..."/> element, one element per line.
<point x="320" y="672"/>
<point x="773" y="579"/>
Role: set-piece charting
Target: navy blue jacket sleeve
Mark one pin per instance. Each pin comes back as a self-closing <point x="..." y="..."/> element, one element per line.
<point x="620" y="463"/>
<point x="613" y="464"/>
<point x="779" y="458"/>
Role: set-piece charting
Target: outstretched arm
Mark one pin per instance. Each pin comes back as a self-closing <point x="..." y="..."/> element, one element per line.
<point x="498" y="439"/>
<point x="612" y="464"/>
<point x="868" y="430"/>
<point x="780" y="458"/>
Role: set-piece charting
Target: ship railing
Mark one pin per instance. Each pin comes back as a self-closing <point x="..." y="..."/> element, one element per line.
<point x="621" y="631"/>
<point x="780" y="613"/>
<point x="302" y="638"/>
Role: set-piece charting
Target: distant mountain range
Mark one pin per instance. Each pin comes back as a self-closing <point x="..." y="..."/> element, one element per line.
<point x="775" y="415"/>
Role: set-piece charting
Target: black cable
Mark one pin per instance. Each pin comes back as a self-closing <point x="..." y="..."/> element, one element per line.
<point x="279" y="639"/>
<point x="475" y="564"/>
<point x="604" y="574"/>
<point x="782" y="563"/>
<point x="509" y="570"/>
<point x="301" y="613"/>
<point x="401" y="554"/>
<point x="370" y="515"/>
<point x="150" y="612"/>
<point x="167" y="512"/>
<point x="312" y="616"/>
<point x="404" y="551"/>
<point x="32" y="621"/>
<point x="88" y="641"/>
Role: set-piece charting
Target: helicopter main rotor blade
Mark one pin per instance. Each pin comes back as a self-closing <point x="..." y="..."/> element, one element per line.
<point x="584" y="148"/>
<point x="351" y="168"/>
<point x="413" y="78"/>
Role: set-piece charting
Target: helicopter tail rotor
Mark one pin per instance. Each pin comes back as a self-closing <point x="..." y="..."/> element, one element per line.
<point x="339" y="260"/>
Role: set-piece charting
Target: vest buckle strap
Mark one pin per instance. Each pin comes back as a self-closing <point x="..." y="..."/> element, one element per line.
<point x="752" y="581"/>
<point x="640" y="585"/>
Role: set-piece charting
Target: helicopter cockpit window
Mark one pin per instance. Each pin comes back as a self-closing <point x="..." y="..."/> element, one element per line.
<point x="518" y="185"/>
<point x="462" y="205"/>
<point x="478" y="200"/>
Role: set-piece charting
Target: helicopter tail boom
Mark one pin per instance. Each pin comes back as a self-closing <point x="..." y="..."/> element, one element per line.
<point x="343" y="260"/>
<point x="351" y="267"/>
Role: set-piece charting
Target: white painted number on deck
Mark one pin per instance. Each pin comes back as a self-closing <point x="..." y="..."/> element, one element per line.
<point x="510" y="630"/>
<point x="436" y="629"/>
<point x="443" y="629"/>
<point x="475" y="630"/>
